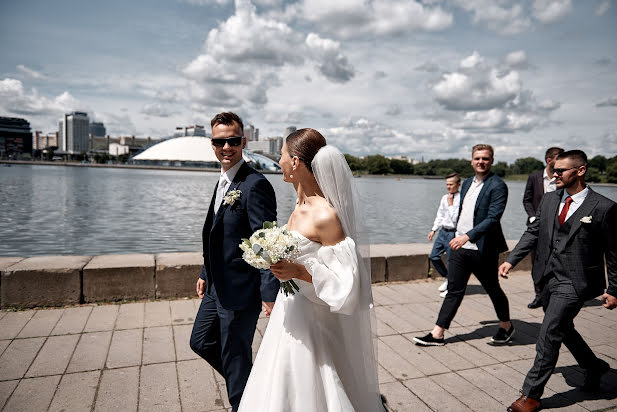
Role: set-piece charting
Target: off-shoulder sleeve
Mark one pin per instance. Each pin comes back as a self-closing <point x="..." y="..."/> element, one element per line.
<point x="335" y="276"/>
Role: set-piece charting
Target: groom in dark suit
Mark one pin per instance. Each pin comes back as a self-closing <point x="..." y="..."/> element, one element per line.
<point x="232" y="292"/>
<point x="476" y="247"/>
<point x="574" y="232"/>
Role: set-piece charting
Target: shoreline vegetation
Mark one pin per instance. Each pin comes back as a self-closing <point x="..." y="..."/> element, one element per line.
<point x="601" y="170"/>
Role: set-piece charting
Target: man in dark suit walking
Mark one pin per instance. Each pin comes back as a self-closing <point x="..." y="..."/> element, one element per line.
<point x="539" y="183"/>
<point x="476" y="247"/>
<point x="232" y="292"/>
<point x="575" y="230"/>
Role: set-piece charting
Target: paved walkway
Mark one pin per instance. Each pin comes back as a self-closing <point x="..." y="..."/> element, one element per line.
<point x="135" y="356"/>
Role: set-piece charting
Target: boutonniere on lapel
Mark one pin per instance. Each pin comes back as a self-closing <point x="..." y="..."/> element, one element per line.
<point x="586" y="219"/>
<point x="231" y="197"/>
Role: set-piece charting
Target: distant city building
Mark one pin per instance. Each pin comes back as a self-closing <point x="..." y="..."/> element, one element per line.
<point x="289" y="130"/>
<point x="15" y="136"/>
<point x="73" y="133"/>
<point x="276" y="144"/>
<point x="97" y="129"/>
<point x="44" y="142"/>
<point x="258" y="147"/>
<point x="193" y="130"/>
<point x="403" y="158"/>
<point x="117" y="149"/>
<point x="251" y="133"/>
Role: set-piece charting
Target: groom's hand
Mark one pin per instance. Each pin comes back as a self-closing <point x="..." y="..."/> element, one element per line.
<point x="609" y="301"/>
<point x="458" y="242"/>
<point x="201" y="287"/>
<point x="267" y="307"/>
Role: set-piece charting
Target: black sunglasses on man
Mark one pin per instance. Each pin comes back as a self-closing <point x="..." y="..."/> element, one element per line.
<point x="232" y="140"/>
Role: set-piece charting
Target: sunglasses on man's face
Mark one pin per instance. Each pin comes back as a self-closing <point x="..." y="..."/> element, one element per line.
<point x="559" y="172"/>
<point x="233" y="141"/>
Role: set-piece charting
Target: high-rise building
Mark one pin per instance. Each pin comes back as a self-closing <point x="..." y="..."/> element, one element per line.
<point x="289" y="131"/>
<point x="193" y="130"/>
<point x="73" y="133"/>
<point x="15" y="136"/>
<point x="97" y="129"/>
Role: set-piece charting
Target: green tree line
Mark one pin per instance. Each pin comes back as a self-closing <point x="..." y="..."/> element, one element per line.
<point x="599" y="169"/>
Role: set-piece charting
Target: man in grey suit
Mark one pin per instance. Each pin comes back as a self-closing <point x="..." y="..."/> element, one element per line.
<point x="575" y="230"/>
<point x="539" y="183"/>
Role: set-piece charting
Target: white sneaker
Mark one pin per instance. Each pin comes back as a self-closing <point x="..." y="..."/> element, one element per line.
<point x="443" y="294"/>
<point x="444" y="286"/>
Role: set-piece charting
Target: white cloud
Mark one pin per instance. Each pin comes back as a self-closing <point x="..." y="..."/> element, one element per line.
<point x="602" y="7"/>
<point x="394" y="110"/>
<point x="516" y="60"/>
<point x="17" y="100"/>
<point x="551" y="11"/>
<point x="428" y="67"/>
<point x="611" y="101"/>
<point x="503" y="17"/>
<point x="157" y="110"/>
<point x="30" y="72"/>
<point x="353" y="18"/>
<point x="487" y="99"/>
<point x="330" y="61"/>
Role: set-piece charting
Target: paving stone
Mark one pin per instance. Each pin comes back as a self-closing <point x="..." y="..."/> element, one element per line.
<point x="220" y="381"/>
<point x="13" y="322"/>
<point x="33" y="394"/>
<point x="3" y="345"/>
<point x="182" y="337"/>
<point x="76" y="392"/>
<point x="73" y="320"/>
<point x="18" y="356"/>
<point x="125" y="349"/>
<point x="395" y="364"/>
<point x="118" y="390"/>
<point x="434" y="396"/>
<point x="130" y="316"/>
<point x="202" y="397"/>
<point x="417" y="355"/>
<point x="399" y="324"/>
<point x="119" y="277"/>
<point x="41" y="324"/>
<point x="445" y="356"/>
<point x="54" y="356"/>
<point x="6" y="389"/>
<point x="90" y="353"/>
<point x="497" y="389"/>
<point x="383" y="329"/>
<point x="157" y="314"/>
<point x="102" y="318"/>
<point x="400" y="398"/>
<point x="182" y="312"/>
<point x="158" y="345"/>
<point x="471" y="353"/>
<point x="383" y="375"/>
<point x="158" y="388"/>
<point x="466" y="392"/>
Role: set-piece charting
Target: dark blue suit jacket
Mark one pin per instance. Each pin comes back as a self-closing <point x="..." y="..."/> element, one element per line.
<point x="238" y="285"/>
<point x="489" y="208"/>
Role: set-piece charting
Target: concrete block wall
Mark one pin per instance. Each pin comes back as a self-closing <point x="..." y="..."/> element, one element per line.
<point x="65" y="280"/>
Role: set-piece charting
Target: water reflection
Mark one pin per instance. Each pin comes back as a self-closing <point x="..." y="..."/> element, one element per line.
<point x="72" y="210"/>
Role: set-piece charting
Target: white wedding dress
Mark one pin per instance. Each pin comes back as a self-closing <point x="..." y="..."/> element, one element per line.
<point x="311" y="357"/>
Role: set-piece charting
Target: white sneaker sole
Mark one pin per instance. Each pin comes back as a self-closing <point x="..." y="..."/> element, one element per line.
<point x="423" y="343"/>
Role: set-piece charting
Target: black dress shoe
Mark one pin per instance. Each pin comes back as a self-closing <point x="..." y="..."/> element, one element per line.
<point x="594" y="375"/>
<point x="535" y="303"/>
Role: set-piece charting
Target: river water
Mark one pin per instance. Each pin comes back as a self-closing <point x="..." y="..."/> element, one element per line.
<point x="57" y="210"/>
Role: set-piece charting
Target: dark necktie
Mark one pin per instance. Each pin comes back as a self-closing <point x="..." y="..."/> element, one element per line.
<point x="564" y="211"/>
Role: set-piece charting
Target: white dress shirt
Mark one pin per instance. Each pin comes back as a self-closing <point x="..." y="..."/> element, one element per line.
<point x="446" y="214"/>
<point x="465" y="222"/>
<point x="224" y="181"/>
<point x="577" y="201"/>
<point x="549" y="182"/>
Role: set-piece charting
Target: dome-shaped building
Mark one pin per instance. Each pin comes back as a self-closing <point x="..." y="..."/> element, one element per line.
<point x="195" y="151"/>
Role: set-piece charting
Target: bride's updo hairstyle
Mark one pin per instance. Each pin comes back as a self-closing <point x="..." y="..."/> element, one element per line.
<point x="305" y="143"/>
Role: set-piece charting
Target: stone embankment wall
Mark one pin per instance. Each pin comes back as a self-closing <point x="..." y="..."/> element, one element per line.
<point x="66" y="280"/>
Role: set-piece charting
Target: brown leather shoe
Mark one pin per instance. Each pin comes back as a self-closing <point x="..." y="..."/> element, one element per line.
<point x="525" y="404"/>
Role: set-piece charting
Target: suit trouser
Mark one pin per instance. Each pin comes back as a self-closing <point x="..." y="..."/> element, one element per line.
<point x="462" y="263"/>
<point x="441" y="246"/>
<point x="561" y="304"/>
<point x="223" y="338"/>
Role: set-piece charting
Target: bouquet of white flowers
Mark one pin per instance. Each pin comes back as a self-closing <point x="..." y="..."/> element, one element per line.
<point x="268" y="246"/>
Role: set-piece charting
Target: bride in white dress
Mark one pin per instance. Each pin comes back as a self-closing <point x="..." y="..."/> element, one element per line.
<point x="317" y="353"/>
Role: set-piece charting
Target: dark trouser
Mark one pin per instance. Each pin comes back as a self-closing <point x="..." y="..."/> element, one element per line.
<point x="536" y="288"/>
<point x="441" y="246"/>
<point x="223" y="338"/>
<point x="462" y="263"/>
<point x="561" y="304"/>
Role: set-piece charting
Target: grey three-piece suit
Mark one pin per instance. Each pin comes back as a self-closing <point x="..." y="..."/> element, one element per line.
<point x="569" y="269"/>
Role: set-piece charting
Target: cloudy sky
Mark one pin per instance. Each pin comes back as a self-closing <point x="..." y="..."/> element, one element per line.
<point x="426" y="79"/>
